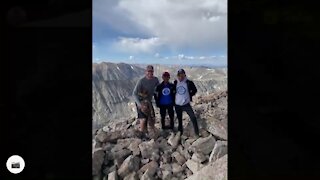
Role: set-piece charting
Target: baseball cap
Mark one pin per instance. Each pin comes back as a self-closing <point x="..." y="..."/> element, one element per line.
<point x="181" y="71"/>
<point x="149" y="67"/>
<point x="166" y="74"/>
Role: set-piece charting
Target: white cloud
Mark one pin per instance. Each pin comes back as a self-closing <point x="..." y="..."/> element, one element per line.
<point x="200" y="24"/>
<point x="131" y="57"/>
<point x="189" y="57"/>
<point x="180" y="56"/>
<point x="137" y="45"/>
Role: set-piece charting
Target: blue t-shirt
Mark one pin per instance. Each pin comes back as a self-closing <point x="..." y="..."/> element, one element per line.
<point x="166" y="97"/>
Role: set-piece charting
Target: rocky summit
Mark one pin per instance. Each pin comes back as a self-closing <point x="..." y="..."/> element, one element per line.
<point x="121" y="152"/>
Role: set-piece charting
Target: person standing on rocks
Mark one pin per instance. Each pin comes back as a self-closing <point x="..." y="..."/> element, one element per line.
<point x="185" y="89"/>
<point x="149" y="83"/>
<point x="165" y="94"/>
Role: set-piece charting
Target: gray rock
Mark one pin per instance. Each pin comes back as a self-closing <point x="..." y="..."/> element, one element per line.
<point x="166" y="175"/>
<point x="118" y="154"/>
<point x="106" y="129"/>
<point x="151" y="166"/>
<point x="147" y="148"/>
<point x="107" y="146"/>
<point x="179" y="158"/>
<point x="166" y="167"/>
<point x="108" y="169"/>
<point x="113" y="176"/>
<point x="97" y="161"/>
<point x="101" y="137"/>
<point x="216" y="170"/>
<point x="129" y="165"/>
<point x="113" y="136"/>
<point x="131" y="176"/>
<point x="194" y="166"/>
<point x="134" y="147"/>
<point x="203" y="145"/>
<point x="216" y="127"/>
<point x="159" y="173"/>
<point x="198" y="157"/>
<point x="124" y="143"/>
<point x="166" y="158"/>
<point x="147" y="176"/>
<point x="188" y="172"/>
<point x="204" y="133"/>
<point x="164" y="146"/>
<point x="174" y="139"/>
<point x="220" y="149"/>
<point x="154" y="133"/>
<point x="144" y="161"/>
<point x="176" y="168"/>
<point x="155" y="156"/>
<point x="184" y="152"/>
<point x="97" y="177"/>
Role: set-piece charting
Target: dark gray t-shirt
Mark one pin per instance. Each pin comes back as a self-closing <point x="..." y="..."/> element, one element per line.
<point x="148" y="84"/>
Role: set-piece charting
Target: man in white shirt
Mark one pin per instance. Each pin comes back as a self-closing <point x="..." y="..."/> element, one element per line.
<point x="185" y="89"/>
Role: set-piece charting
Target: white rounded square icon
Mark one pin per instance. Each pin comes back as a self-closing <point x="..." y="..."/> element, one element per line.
<point x="15" y="164"/>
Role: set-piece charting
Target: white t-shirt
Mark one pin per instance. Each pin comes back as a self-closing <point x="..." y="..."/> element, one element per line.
<point x="182" y="93"/>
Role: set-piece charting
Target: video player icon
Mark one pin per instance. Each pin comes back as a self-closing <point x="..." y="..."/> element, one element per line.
<point x="15" y="164"/>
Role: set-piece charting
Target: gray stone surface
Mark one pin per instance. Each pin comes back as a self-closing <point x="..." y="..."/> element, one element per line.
<point x="194" y="166"/>
<point x="216" y="170"/>
<point x="203" y="145"/>
<point x="97" y="161"/>
<point x="113" y="176"/>
<point x="215" y="127"/>
<point x="129" y="165"/>
<point x="220" y="149"/>
<point x="147" y="148"/>
<point x="174" y="139"/>
<point x="131" y="176"/>
<point x="179" y="158"/>
<point x="199" y="157"/>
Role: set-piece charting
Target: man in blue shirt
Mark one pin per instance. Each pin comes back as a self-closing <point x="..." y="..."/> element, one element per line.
<point x="165" y="94"/>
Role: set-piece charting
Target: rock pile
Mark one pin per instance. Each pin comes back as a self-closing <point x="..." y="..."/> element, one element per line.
<point x="119" y="152"/>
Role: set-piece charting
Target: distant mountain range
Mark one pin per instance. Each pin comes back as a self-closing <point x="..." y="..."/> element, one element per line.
<point x="113" y="83"/>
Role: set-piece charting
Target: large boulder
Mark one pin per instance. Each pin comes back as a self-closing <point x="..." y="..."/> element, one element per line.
<point x="129" y="165"/>
<point x="113" y="176"/>
<point x="220" y="149"/>
<point x="203" y="145"/>
<point x="147" y="148"/>
<point x="118" y="154"/>
<point x="216" y="170"/>
<point x="174" y="139"/>
<point x="179" y="158"/>
<point x="199" y="157"/>
<point x="216" y="127"/>
<point x="97" y="161"/>
<point x="151" y="166"/>
<point x="131" y="176"/>
<point x="194" y="166"/>
<point x="166" y="175"/>
<point x="101" y="136"/>
<point x="134" y="146"/>
<point x="176" y="168"/>
<point x="147" y="176"/>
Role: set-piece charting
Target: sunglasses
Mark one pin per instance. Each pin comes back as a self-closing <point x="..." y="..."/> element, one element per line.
<point x="150" y="70"/>
<point x="166" y="76"/>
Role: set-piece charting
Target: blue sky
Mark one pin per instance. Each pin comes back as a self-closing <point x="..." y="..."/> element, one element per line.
<point x="160" y="31"/>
